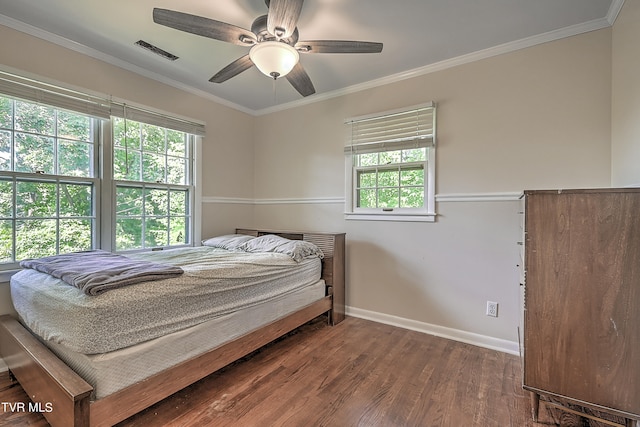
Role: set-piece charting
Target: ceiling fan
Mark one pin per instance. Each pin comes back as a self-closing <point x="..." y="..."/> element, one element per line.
<point x="273" y="39"/>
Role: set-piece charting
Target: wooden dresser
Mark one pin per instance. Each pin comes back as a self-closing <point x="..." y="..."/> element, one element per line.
<point x="582" y="300"/>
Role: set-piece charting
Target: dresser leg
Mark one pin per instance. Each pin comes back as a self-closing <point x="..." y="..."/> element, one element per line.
<point x="632" y="423"/>
<point x="535" y="406"/>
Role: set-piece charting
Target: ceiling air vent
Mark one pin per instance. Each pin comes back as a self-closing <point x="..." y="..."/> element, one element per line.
<point x="156" y="50"/>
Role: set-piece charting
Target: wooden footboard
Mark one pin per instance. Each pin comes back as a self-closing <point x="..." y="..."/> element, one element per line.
<point x="63" y="397"/>
<point x="131" y="400"/>
<point x="52" y="386"/>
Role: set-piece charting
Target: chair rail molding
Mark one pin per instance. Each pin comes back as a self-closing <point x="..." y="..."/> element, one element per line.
<point x="446" y="197"/>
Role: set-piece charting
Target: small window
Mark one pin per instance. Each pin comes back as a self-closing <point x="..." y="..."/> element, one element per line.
<point x="390" y="165"/>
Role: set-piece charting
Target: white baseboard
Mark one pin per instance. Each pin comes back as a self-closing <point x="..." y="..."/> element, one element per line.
<point x="492" y="343"/>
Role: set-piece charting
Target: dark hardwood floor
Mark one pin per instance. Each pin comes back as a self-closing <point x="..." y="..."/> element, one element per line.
<point x="358" y="373"/>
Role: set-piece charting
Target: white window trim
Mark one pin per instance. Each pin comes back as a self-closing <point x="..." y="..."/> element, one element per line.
<point x="426" y="214"/>
<point x="194" y="200"/>
<point x="8" y="269"/>
<point x="104" y="107"/>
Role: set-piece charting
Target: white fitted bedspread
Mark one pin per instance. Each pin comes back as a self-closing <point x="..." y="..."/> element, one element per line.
<point x="113" y="371"/>
<point x="215" y="282"/>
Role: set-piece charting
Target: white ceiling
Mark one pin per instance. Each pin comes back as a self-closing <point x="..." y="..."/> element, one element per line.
<point x="418" y="36"/>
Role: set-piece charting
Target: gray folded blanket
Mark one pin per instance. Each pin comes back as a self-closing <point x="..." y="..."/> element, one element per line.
<point x="95" y="272"/>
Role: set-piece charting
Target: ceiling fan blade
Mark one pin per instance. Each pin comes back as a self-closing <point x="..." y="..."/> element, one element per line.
<point x="300" y="80"/>
<point x="338" y="46"/>
<point x="232" y="70"/>
<point x="203" y="27"/>
<point x="283" y="17"/>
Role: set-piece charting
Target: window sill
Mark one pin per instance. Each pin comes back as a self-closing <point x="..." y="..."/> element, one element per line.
<point x="383" y="216"/>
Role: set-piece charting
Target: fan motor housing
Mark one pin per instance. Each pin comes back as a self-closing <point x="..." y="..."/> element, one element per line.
<point x="259" y="28"/>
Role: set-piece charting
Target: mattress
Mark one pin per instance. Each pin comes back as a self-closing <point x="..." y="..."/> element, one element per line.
<point x="215" y="282"/>
<point x="113" y="371"/>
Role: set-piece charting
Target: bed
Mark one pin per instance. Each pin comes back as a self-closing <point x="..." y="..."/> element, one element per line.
<point x="86" y="388"/>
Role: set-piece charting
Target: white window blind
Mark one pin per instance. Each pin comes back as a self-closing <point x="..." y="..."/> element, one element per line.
<point x="142" y="115"/>
<point x="47" y="94"/>
<point x="390" y="165"/>
<point x="53" y="148"/>
<point x="408" y="128"/>
<point x="92" y="105"/>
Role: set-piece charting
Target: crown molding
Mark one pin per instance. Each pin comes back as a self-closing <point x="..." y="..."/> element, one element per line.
<point x="93" y="53"/>
<point x="614" y="10"/>
<point x="573" y="30"/>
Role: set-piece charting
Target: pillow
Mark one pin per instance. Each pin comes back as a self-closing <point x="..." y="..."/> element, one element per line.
<point x="266" y="243"/>
<point x="296" y="249"/>
<point x="228" y="241"/>
<point x="299" y="249"/>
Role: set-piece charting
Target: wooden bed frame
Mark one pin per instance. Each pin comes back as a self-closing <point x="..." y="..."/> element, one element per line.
<point x="51" y="383"/>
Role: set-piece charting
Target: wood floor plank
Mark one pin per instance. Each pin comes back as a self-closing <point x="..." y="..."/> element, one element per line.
<point x="357" y="373"/>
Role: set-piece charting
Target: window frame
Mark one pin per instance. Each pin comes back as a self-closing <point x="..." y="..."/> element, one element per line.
<point x="188" y="186"/>
<point x="102" y="109"/>
<point x="382" y="168"/>
<point x="427" y="212"/>
<point x="55" y="178"/>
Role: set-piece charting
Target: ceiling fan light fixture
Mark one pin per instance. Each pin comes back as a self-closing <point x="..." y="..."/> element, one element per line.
<point x="274" y="59"/>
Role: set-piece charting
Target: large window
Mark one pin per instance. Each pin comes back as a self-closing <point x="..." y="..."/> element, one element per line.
<point x="390" y="165"/>
<point x="152" y="171"/>
<point x="47" y="180"/>
<point x="81" y="172"/>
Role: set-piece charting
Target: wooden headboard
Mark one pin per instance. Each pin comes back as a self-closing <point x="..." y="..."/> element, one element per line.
<point x="333" y="264"/>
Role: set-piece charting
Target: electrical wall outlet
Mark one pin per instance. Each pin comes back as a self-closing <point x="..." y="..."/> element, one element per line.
<point x="492" y="309"/>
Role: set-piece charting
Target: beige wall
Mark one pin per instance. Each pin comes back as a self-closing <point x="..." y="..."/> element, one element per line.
<point x="226" y="149"/>
<point x="625" y="135"/>
<point x="535" y="118"/>
<point x="229" y="140"/>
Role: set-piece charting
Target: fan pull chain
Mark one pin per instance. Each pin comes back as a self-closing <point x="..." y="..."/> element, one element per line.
<point x="275" y="98"/>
